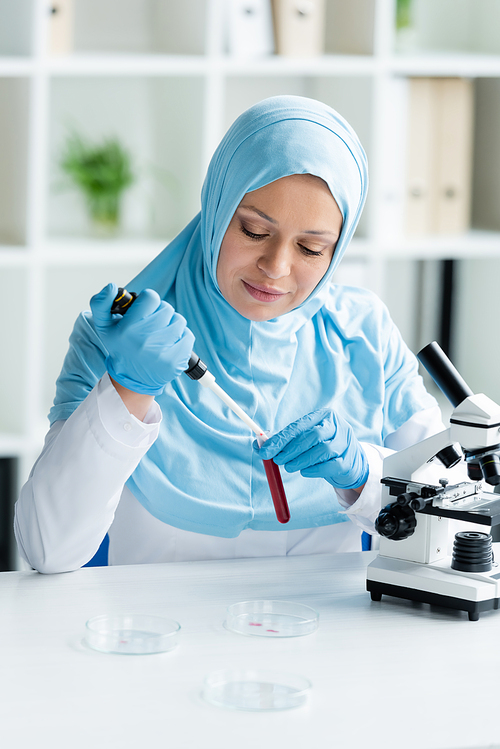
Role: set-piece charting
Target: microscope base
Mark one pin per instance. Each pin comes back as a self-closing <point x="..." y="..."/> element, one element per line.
<point x="437" y="585"/>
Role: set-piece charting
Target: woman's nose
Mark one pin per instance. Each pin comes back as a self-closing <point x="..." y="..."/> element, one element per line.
<point x="275" y="262"/>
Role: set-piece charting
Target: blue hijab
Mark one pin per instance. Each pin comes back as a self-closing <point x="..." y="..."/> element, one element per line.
<point x="339" y="348"/>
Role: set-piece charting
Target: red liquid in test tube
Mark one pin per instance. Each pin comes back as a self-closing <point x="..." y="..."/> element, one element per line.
<point x="277" y="491"/>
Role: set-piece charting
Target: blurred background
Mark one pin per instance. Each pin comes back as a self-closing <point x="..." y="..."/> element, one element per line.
<point x="111" y="109"/>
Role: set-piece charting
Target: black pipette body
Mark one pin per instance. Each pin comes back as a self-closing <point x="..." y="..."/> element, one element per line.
<point x="124" y="299"/>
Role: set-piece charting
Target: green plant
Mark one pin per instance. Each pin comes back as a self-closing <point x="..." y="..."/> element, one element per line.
<point x="102" y="171"/>
<point x="403" y="14"/>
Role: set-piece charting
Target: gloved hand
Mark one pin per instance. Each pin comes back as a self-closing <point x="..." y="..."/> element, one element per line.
<point x="148" y="346"/>
<point x="319" y="445"/>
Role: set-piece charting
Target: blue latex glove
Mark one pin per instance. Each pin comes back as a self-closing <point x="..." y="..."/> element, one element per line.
<point x="148" y="346"/>
<point x="319" y="445"/>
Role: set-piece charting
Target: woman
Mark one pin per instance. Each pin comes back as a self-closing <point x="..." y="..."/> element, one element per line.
<point x="139" y="450"/>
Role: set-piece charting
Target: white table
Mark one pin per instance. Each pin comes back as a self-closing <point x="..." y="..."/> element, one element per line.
<point x="388" y="674"/>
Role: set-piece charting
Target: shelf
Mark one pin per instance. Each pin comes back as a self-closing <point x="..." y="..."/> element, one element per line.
<point x="156" y="74"/>
<point x="11" y="67"/>
<point x="70" y="251"/>
<point x="196" y="26"/>
<point x="160" y="65"/>
<point x="126" y="65"/>
<point x="14" y="257"/>
<point x="472" y="244"/>
<point x="326" y="65"/>
<point x="467" y="65"/>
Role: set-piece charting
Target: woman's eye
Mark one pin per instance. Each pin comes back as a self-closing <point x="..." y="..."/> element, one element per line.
<point x="251" y="234"/>
<point x="310" y="253"/>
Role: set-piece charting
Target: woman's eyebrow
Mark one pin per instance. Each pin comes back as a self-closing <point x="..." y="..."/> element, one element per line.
<point x="260" y="213"/>
<point x="323" y="233"/>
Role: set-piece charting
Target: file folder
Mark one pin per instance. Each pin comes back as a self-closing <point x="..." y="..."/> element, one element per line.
<point x="453" y="155"/>
<point x="249" y="28"/>
<point x="299" y="27"/>
<point x="60" y="41"/>
<point x="439" y="155"/>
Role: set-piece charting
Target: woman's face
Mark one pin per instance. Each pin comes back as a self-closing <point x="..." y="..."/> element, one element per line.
<point x="278" y="246"/>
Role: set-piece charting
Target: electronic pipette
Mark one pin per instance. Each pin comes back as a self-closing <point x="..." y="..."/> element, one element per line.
<point x="197" y="370"/>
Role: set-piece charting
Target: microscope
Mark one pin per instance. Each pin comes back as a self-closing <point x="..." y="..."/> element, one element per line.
<point x="421" y="496"/>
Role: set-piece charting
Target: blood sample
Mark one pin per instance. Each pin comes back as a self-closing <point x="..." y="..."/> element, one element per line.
<point x="277" y="491"/>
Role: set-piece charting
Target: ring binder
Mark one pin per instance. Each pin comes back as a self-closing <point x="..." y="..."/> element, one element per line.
<point x="299" y="27"/>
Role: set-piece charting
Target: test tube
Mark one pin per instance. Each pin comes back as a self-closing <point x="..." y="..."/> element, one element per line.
<point x="275" y="485"/>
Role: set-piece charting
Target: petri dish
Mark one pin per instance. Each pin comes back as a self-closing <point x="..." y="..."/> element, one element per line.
<point x="255" y="690"/>
<point x="132" y="634"/>
<point x="271" y="619"/>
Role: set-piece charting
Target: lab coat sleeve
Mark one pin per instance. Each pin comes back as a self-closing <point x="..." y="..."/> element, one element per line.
<point x="68" y="503"/>
<point x="363" y="509"/>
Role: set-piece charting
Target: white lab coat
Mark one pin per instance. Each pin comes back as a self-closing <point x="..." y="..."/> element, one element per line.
<point x="76" y="494"/>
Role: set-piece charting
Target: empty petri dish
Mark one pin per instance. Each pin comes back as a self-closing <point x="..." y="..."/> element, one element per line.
<point x="132" y="634"/>
<point x="271" y="619"/>
<point x="255" y="690"/>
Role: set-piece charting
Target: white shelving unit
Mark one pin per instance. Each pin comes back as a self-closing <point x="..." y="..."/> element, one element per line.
<point x="156" y="74"/>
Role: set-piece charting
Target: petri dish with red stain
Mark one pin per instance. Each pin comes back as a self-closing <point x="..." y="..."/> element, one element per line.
<point x="271" y="619"/>
<point x="132" y="634"/>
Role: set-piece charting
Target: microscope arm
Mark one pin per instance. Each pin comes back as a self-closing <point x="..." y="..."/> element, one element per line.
<point x="409" y="463"/>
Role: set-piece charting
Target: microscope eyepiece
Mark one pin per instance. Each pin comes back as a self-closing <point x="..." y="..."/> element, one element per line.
<point x="444" y="373"/>
<point x="449" y="456"/>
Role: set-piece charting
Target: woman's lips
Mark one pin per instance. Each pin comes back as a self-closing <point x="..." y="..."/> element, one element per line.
<point x="260" y="293"/>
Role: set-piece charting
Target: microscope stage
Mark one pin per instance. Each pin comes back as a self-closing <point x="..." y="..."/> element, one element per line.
<point x="436" y="584"/>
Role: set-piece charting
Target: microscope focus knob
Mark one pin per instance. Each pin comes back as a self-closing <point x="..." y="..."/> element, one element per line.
<point x="396" y="522"/>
